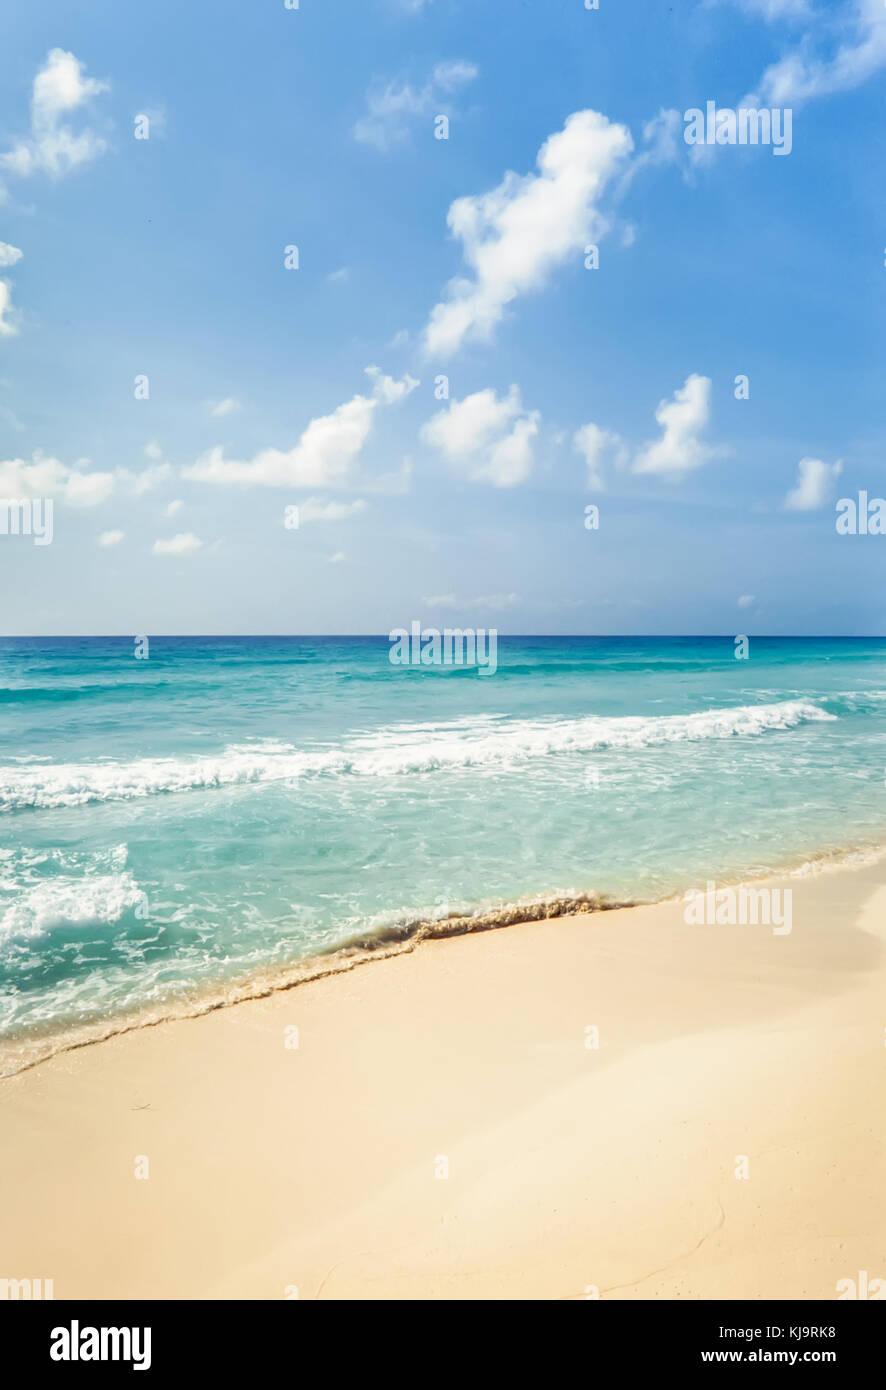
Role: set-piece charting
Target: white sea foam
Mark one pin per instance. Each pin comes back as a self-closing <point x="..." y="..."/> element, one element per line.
<point x="90" y="899"/>
<point x="490" y="742"/>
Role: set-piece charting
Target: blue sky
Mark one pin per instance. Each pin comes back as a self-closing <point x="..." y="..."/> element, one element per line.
<point x="419" y="257"/>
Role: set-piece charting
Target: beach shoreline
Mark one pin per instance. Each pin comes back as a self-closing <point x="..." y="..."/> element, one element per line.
<point x="377" y="942"/>
<point x="561" y="1110"/>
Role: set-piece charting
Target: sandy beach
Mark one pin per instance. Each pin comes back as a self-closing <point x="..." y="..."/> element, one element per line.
<point x="446" y="1127"/>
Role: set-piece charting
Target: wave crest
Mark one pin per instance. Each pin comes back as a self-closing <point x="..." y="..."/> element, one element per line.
<point x="491" y="741"/>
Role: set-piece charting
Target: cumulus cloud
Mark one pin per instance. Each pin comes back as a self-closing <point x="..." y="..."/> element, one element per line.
<point x="392" y="107"/>
<point x="49" y="477"/>
<point x="53" y="147"/>
<point x="78" y="486"/>
<point x="110" y="538"/>
<point x="599" y="446"/>
<point x="815" y="482"/>
<point x="9" y="255"/>
<point x="683" y="418"/>
<point x="88" y="489"/>
<point x="316" y="510"/>
<point x="487" y="438"/>
<point x="185" y="543"/>
<point x="515" y="236"/>
<point x="324" y="455"/>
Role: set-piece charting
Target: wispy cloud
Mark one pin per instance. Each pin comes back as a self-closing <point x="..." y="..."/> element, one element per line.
<point x="314" y="509"/>
<point x="393" y="107"/>
<point x="485" y="603"/>
<point x="599" y="447"/>
<point x="146" y="480"/>
<point x="53" y="147"/>
<point x="772" y="10"/>
<point x="837" y="55"/>
<point x="219" y="409"/>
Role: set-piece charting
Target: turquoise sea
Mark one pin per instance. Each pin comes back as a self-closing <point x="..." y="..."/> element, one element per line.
<point x="175" y="827"/>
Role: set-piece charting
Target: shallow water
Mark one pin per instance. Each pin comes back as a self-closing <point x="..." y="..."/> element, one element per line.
<point x="234" y="805"/>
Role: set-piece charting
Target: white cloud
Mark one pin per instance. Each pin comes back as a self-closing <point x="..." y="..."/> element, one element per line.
<point x="145" y="481"/>
<point x="8" y="324"/>
<point x="49" y="477"/>
<point x="219" y="409"/>
<point x="392" y="106"/>
<point x="683" y="418"/>
<point x="338" y="558"/>
<point x="314" y="509"/>
<point x="746" y="600"/>
<point x="9" y="255"/>
<point x="486" y="603"/>
<point x="388" y="390"/>
<point x="396" y="482"/>
<point x="324" y="455"/>
<point x="663" y="140"/>
<point x="774" y="9"/>
<point x="109" y="538"/>
<point x="78" y="486"/>
<point x="185" y="543"/>
<point x="53" y="147"/>
<point x="815" y="481"/>
<point x="88" y="489"/>
<point x="487" y="438"/>
<point x="173" y="507"/>
<point x="858" y="51"/>
<point x="339" y="277"/>
<point x="599" y="446"/>
<point x="516" y="235"/>
<point x="153" y="450"/>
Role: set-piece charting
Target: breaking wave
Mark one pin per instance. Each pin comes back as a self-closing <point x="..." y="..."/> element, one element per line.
<point x="492" y="741"/>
